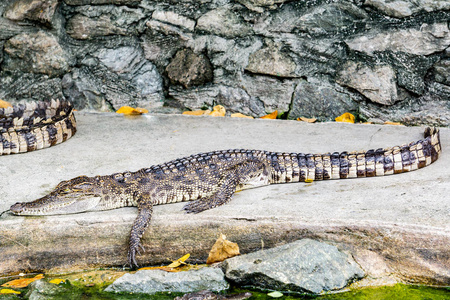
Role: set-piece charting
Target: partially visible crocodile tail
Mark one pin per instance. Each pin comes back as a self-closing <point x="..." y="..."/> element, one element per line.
<point x="35" y="125"/>
<point x="293" y="167"/>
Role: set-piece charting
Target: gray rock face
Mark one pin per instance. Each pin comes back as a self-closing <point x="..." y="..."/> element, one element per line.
<point x="189" y="69"/>
<point x="249" y="54"/>
<point x="320" y="99"/>
<point x="378" y="83"/>
<point x="302" y="266"/>
<point x="233" y="99"/>
<point x="270" y="60"/>
<point x="36" y="53"/>
<point x="406" y="8"/>
<point x="153" y="281"/>
<point x="113" y="78"/>
<point x="428" y="39"/>
<point x="36" y="10"/>
<point x="224" y="21"/>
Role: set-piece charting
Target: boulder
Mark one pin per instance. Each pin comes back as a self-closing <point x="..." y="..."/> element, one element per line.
<point x="153" y="281"/>
<point x="302" y="266"/>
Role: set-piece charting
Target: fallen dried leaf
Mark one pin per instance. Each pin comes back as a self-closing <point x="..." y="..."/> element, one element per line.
<point x="392" y="123"/>
<point x="5" y="104"/>
<point x="128" y="110"/>
<point x="309" y="180"/>
<point x="8" y="291"/>
<point x="222" y="250"/>
<point x="309" y="120"/>
<point x="179" y="261"/>
<point x="23" y="282"/>
<point x="272" y="115"/>
<point x="57" y="281"/>
<point x="239" y="115"/>
<point x="218" y="111"/>
<point x="197" y="112"/>
<point x="345" y="117"/>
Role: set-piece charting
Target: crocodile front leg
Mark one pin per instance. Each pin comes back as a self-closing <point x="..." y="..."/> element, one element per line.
<point x="140" y="224"/>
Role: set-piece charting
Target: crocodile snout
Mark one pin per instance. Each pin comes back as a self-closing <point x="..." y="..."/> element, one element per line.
<point x="17" y="208"/>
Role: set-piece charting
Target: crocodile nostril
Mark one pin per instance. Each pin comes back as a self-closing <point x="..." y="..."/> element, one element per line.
<point x="17" y="208"/>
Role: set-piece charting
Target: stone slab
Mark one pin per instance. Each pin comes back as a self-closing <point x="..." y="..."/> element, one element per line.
<point x="395" y="226"/>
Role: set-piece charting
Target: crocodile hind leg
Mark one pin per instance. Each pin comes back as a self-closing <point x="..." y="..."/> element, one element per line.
<point x="238" y="175"/>
<point x="140" y="224"/>
<point x="227" y="186"/>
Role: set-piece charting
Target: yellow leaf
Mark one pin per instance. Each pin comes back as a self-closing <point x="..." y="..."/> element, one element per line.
<point x="179" y="261"/>
<point x="222" y="250"/>
<point x="392" y="123"/>
<point x="4" y="104"/>
<point x="127" y="110"/>
<point x="303" y="119"/>
<point x="197" y="112"/>
<point x="271" y="115"/>
<point x="346" y="117"/>
<point x="239" y="115"/>
<point x="309" y="180"/>
<point x="21" y="283"/>
<point x="218" y="111"/>
<point x="8" y="291"/>
<point x="57" y="280"/>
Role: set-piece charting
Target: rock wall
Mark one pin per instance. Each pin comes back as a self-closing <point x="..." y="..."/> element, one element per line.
<point x="380" y="59"/>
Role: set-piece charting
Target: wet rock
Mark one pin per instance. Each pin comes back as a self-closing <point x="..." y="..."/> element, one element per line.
<point x="208" y="295"/>
<point x="174" y="19"/>
<point x="223" y="21"/>
<point x="189" y="69"/>
<point x="18" y="86"/>
<point x="302" y="266"/>
<point x="378" y="83"/>
<point x="406" y="8"/>
<point x="35" y="10"/>
<point x="37" y="53"/>
<point x="153" y="281"/>
<point x="272" y="61"/>
<point x="232" y="98"/>
<point x="41" y="289"/>
<point x="320" y="99"/>
<point x="429" y="39"/>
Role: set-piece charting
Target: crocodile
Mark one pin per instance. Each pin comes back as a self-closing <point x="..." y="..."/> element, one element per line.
<point x="208" y="180"/>
<point x="35" y="125"/>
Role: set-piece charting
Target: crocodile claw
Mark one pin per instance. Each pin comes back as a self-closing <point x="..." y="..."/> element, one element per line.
<point x="132" y="255"/>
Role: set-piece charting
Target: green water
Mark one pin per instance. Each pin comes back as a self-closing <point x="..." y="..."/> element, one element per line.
<point x="68" y="291"/>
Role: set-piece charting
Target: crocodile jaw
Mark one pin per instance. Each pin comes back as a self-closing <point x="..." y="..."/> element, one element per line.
<point x="57" y="205"/>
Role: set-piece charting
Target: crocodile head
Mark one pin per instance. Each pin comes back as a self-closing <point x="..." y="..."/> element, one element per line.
<point x="77" y="195"/>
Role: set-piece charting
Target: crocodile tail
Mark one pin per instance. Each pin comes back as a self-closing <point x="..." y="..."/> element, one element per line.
<point x="35" y="125"/>
<point x="294" y="167"/>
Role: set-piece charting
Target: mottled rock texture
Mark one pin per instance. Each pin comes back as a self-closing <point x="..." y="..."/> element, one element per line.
<point x="381" y="59"/>
<point x="302" y="266"/>
<point x="154" y="281"/>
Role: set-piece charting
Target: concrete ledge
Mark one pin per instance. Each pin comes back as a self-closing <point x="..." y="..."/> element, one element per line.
<point x="395" y="226"/>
